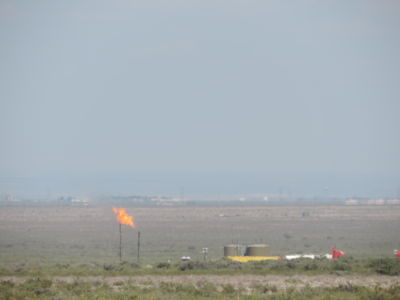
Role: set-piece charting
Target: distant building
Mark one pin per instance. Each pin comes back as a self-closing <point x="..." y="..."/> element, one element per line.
<point x="376" y="202"/>
<point x="352" y="202"/>
<point x="80" y="201"/>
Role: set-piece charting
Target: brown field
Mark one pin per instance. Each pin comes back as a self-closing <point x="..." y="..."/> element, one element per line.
<point x="84" y="234"/>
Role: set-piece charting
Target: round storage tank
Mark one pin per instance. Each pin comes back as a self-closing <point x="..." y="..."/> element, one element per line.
<point x="257" y="250"/>
<point x="232" y="250"/>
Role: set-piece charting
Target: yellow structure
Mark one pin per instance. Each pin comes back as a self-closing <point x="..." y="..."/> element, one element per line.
<point x="253" y="258"/>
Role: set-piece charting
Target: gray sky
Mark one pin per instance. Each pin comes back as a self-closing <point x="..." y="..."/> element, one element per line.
<point x="112" y="88"/>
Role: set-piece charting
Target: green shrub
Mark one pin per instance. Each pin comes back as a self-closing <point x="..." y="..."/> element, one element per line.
<point x="207" y="289"/>
<point x="37" y="286"/>
<point x="112" y="267"/>
<point x="186" y="266"/>
<point x="341" y="266"/>
<point x="228" y="264"/>
<point x="6" y="289"/>
<point x="310" y="266"/>
<point x="135" y="265"/>
<point x="76" y="288"/>
<point x="228" y="289"/>
<point x="193" y="265"/>
<point x="163" y="265"/>
<point x="62" y="266"/>
<point x="386" y="266"/>
<point x="264" y="288"/>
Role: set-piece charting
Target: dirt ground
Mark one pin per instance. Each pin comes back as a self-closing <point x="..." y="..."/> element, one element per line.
<point x="238" y="281"/>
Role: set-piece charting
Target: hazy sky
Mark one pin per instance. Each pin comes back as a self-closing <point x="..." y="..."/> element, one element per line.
<point x="110" y="88"/>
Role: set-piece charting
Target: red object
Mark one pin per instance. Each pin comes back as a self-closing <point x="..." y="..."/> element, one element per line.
<point x="397" y="254"/>
<point x="336" y="254"/>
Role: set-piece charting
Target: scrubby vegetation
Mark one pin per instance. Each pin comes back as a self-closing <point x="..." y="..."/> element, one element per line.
<point x="385" y="266"/>
<point x="345" y="265"/>
<point x="40" y="288"/>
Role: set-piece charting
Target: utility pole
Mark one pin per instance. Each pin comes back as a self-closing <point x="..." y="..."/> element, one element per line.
<point x="205" y="253"/>
<point x="120" y="242"/>
<point x="138" y="247"/>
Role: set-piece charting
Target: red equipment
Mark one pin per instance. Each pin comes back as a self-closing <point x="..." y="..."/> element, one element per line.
<point x="336" y="254"/>
<point x="397" y="254"/>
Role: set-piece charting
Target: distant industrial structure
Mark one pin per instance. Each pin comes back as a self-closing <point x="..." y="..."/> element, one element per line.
<point x="379" y="201"/>
<point x="259" y="252"/>
<point x="243" y="253"/>
<point x="162" y="200"/>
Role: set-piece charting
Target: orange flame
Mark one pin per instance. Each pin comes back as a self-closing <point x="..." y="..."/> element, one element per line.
<point x="123" y="218"/>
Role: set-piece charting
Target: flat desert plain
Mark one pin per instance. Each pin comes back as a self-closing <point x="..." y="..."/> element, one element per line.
<point x="85" y="234"/>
